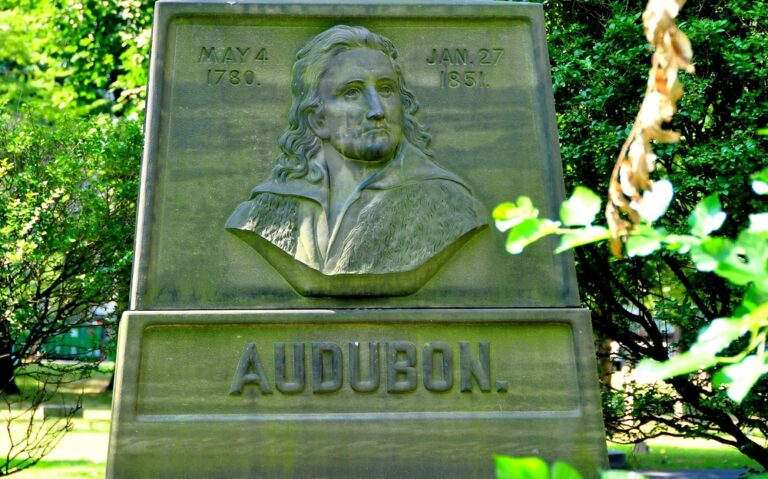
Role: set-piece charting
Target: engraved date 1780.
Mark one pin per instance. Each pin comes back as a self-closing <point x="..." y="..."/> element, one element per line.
<point x="232" y="65"/>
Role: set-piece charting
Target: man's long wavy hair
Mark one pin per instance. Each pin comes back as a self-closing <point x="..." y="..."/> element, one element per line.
<point x="298" y="142"/>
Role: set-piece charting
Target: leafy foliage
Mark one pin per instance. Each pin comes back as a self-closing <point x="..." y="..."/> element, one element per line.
<point x="80" y="57"/>
<point x="743" y="261"/>
<point x="653" y="305"/>
<point x="536" y="468"/>
<point x="67" y="216"/>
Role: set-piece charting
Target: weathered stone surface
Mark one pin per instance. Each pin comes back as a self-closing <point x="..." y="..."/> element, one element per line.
<point x="246" y="356"/>
<point x="218" y="394"/>
<point x="220" y="100"/>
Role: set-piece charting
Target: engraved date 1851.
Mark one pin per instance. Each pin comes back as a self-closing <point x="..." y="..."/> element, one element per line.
<point x="464" y="67"/>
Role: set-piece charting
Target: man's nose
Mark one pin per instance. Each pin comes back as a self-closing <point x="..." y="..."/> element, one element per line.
<point x="375" y="109"/>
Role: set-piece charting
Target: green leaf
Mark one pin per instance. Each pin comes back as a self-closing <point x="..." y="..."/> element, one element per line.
<point x="644" y="240"/>
<point x="655" y="201"/>
<point x="746" y="261"/>
<point x="754" y="297"/>
<point x="563" y="470"/>
<point x="649" y="370"/>
<point x="740" y="377"/>
<point x="582" y="236"/>
<point x="758" y="223"/>
<point x="707" y="217"/>
<point x="762" y="475"/>
<point x="581" y="208"/>
<point x="520" y="468"/>
<point x="621" y="475"/>
<point x="681" y="243"/>
<point x="708" y="254"/>
<point x="717" y="335"/>
<point x="527" y="232"/>
<point x="760" y="182"/>
<point x="507" y="215"/>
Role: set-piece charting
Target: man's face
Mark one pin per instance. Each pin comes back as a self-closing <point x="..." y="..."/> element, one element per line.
<point x="361" y="112"/>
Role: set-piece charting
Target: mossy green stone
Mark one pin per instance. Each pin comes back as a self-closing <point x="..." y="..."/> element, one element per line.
<point x="317" y="292"/>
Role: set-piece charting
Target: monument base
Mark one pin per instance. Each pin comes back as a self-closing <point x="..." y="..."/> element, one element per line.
<point x="427" y="393"/>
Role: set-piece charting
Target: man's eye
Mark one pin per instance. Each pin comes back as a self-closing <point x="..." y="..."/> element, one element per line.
<point x="351" y="93"/>
<point x="387" y="90"/>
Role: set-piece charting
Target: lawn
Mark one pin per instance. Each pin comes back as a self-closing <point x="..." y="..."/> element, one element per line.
<point x="82" y="453"/>
<point x="667" y="453"/>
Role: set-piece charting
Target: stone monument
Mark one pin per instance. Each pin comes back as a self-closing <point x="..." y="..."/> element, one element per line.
<point x="316" y="291"/>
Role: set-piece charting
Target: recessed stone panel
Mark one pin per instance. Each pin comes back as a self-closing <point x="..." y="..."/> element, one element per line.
<point x="445" y="391"/>
<point x="220" y="101"/>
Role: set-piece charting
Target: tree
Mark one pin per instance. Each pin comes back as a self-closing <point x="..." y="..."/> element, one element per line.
<point x="67" y="191"/>
<point x="67" y="219"/>
<point x="599" y="70"/>
<point x="83" y="58"/>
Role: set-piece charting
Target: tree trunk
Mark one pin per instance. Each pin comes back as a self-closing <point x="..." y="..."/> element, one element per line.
<point x="756" y="453"/>
<point x="7" y="370"/>
<point x="692" y="395"/>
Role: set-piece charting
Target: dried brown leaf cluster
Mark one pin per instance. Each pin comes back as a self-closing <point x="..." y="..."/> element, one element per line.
<point x="631" y="175"/>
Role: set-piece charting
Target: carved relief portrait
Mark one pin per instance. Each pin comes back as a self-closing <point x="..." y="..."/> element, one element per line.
<point x="356" y="193"/>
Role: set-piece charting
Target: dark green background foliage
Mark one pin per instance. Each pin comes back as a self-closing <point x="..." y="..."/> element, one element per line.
<point x="599" y="66"/>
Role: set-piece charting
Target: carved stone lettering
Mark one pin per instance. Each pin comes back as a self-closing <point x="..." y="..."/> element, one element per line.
<point x="401" y="366"/>
<point x="282" y="383"/>
<point x="449" y="56"/>
<point x="356" y="191"/>
<point x="356" y="381"/>
<point x="229" y="55"/>
<point x="437" y="358"/>
<point x="327" y="370"/>
<point x="250" y="371"/>
<point x="478" y="368"/>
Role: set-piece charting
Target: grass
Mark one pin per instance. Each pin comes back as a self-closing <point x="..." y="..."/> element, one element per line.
<point x="82" y="452"/>
<point x="667" y="454"/>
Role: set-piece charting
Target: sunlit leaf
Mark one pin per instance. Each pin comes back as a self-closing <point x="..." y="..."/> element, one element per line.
<point x="754" y="298"/>
<point x="717" y="335"/>
<point x="520" y="468"/>
<point x="649" y="370"/>
<point x="582" y="236"/>
<point x="740" y="377"/>
<point x="708" y="216"/>
<point x="644" y="242"/>
<point x="746" y="261"/>
<point x="581" y="208"/>
<point x="527" y="232"/>
<point x="508" y="215"/>
<point x="758" y="223"/>
<point x="760" y="182"/>
<point x="681" y="243"/>
<point x="710" y="252"/>
<point x="655" y="202"/>
<point x="621" y="475"/>
<point x="563" y="470"/>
